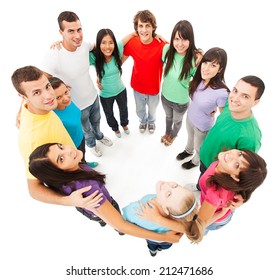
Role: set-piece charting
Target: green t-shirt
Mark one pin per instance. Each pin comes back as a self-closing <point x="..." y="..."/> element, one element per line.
<point x="173" y="89"/>
<point x="228" y="133"/>
<point x="112" y="83"/>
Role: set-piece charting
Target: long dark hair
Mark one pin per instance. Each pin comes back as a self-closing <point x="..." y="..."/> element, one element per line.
<point x="216" y="55"/>
<point x="185" y="31"/>
<point x="43" y="169"/>
<point x="100" y="57"/>
<point x="249" y="179"/>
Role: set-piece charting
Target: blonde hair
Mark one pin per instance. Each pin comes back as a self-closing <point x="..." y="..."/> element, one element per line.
<point x="194" y="227"/>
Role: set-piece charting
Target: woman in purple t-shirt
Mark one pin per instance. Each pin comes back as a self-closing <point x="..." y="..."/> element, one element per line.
<point x="59" y="166"/>
<point x="207" y="92"/>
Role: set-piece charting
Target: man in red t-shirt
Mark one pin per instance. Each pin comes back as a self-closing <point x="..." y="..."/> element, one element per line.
<point x="147" y="70"/>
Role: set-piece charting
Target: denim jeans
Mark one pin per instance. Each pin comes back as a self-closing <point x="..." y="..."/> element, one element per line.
<point x="90" y="120"/>
<point x="154" y="246"/>
<point x="149" y="101"/>
<point x="107" y="104"/>
<point x="174" y="116"/>
<point x="218" y="225"/>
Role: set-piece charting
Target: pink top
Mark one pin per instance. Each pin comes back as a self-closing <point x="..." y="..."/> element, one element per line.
<point x="215" y="197"/>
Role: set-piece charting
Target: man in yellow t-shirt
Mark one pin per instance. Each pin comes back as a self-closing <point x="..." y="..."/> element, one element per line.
<point x="40" y="125"/>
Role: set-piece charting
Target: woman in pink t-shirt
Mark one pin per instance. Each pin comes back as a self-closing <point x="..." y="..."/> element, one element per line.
<point x="235" y="172"/>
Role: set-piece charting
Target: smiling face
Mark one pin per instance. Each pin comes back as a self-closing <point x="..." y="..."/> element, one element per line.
<point x="145" y="30"/>
<point x="231" y="162"/>
<point x="170" y="195"/>
<point x="181" y="45"/>
<point x="65" y="157"/>
<point x="39" y="96"/>
<point x="63" y="96"/>
<point x="107" y="46"/>
<point x="242" y="99"/>
<point x="72" y="35"/>
<point x="209" y="69"/>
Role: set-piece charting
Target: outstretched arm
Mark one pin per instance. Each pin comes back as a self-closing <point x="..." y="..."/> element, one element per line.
<point x="111" y="216"/>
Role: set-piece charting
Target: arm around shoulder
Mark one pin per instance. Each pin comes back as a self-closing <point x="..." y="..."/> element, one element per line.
<point x="111" y="216"/>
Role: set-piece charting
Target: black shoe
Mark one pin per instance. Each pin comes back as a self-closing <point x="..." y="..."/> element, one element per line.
<point x="120" y="233"/>
<point x="183" y="155"/>
<point x="188" y="165"/>
<point x="152" y="253"/>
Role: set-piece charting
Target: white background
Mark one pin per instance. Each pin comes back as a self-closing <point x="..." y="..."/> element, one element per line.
<point x="41" y="241"/>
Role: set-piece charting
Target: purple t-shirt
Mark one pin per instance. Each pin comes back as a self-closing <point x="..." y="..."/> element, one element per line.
<point x="95" y="185"/>
<point x="203" y="103"/>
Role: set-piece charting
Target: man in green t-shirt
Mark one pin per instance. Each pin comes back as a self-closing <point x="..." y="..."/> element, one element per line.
<point x="236" y="127"/>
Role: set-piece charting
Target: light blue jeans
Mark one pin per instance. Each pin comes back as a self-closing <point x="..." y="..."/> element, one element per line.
<point x="143" y="100"/>
<point x="90" y="120"/>
<point x="218" y="225"/>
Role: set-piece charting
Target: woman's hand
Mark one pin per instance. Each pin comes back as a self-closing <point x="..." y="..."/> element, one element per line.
<point x="149" y="211"/>
<point x="160" y="39"/>
<point x="99" y="84"/>
<point x="56" y="45"/>
<point x="89" y="202"/>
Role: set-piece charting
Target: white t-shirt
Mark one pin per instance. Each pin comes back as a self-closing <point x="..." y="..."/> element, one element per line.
<point x="73" y="69"/>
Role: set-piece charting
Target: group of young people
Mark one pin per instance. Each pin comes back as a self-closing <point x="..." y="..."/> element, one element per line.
<point x="61" y="114"/>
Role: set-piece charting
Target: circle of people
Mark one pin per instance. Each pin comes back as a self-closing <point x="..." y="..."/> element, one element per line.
<point x="60" y="116"/>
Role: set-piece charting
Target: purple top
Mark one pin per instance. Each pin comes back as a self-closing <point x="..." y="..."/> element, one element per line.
<point x="203" y="103"/>
<point x="95" y="185"/>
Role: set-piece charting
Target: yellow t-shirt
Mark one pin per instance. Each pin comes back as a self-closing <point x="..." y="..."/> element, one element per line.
<point x="36" y="130"/>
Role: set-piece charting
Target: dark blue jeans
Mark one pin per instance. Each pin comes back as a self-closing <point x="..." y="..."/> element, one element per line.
<point x="154" y="246"/>
<point x="107" y="104"/>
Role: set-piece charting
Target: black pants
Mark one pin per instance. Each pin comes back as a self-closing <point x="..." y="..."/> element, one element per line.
<point x="202" y="170"/>
<point x="107" y="104"/>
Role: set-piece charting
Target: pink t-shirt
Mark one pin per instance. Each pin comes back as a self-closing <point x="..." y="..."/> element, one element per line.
<point x="148" y="65"/>
<point x="215" y="197"/>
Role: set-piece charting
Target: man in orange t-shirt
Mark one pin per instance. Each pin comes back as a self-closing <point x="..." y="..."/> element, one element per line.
<point x="147" y="70"/>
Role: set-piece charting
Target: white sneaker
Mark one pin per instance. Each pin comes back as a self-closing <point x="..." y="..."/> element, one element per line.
<point x="96" y="151"/>
<point x="106" y="141"/>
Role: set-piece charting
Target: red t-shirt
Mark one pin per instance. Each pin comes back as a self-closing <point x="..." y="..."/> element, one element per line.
<point x="148" y="65"/>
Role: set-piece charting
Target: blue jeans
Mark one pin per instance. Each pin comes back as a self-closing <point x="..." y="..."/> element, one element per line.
<point x="218" y="225"/>
<point x="143" y="100"/>
<point x="90" y="120"/>
<point x="154" y="246"/>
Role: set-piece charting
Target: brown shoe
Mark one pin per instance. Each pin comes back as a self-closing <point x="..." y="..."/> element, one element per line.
<point x="169" y="141"/>
<point x="164" y="138"/>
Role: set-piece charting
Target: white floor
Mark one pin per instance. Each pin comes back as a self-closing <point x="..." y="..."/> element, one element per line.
<point x="42" y="241"/>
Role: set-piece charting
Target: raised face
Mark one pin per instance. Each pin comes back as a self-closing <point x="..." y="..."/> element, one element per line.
<point x="40" y="96"/>
<point x="232" y="162"/>
<point x="181" y="45"/>
<point x="72" y="35"/>
<point x="107" y="46"/>
<point x="63" y="97"/>
<point x="145" y="30"/>
<point x="170" y="194"/>
<point x="209" y="69"/>
<point x="65" y="157"/>
<point x="242" y="98"/>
